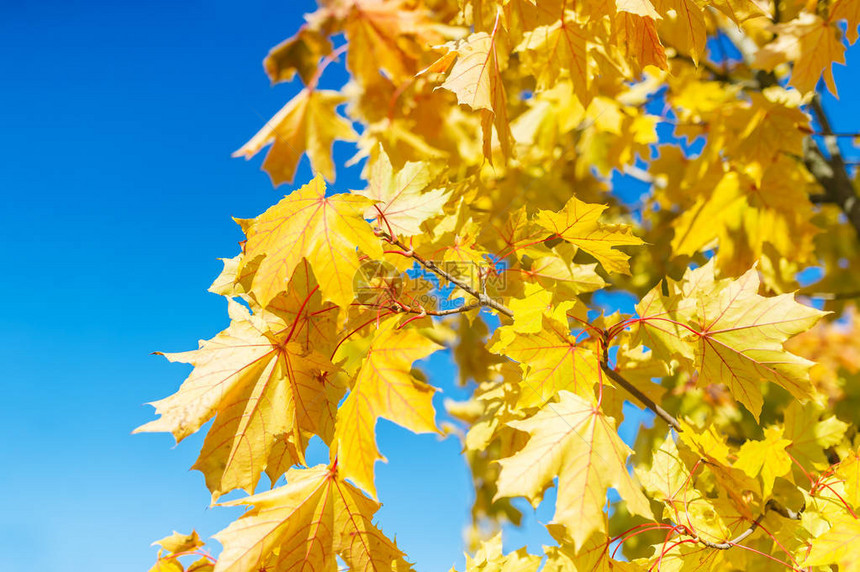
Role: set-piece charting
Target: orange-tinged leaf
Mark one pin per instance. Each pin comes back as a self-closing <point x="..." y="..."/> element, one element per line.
<point x="308" y="123"/>
<point x="574" y="441"/>
<point x="848" y="10"/>
<point x="305" y="525"/>
<point x="384" y="387"/>
<point x="642" y="8"/>
<point x="300" y="54"/>
<point x="638" y="37"/>
<point x="386" y="36"/>
<point x="323" y="230"/>
<point x="402" y="203"/>
<point x="578" y="224"/>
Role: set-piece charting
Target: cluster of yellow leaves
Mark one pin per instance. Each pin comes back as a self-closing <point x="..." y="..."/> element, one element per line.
<point x="493" y="133"/>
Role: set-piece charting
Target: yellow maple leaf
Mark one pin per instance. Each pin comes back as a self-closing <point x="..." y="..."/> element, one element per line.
<point x="838" y="545"/>
<point x="740" y="337"/>
<point x="489" y="558"/>
<point x="401" y="203"/>
<point x="384" y="387"/>
<point x="736" y="334"/>
<point x="323" y="230"/>
<point x="308" y="123"/>
<point x="766" y="458"/>
<point x="849" y="471"/>
<point x="305" y="525"/>
<point x="476" y="80"/>
<point x="642" y="8"/>
<point x="812" y="43"/>
<point x="667" y="476"/>
<point x="178" y="542"/>
<point x="593" y="556"/>
<point x="683" y="26"/>
<point x="578" y="224"/>
<point x="574" y="441"/>
<point x="259" y="384"/>
<point x="560" y="50"/>
<point x="810" y="435"/>
<point x="551" y="361"/>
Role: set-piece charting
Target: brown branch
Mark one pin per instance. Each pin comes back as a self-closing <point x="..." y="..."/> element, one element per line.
<point x="482" y="298"/>
<point x="831" y="171"/>
<point x="644" y="399"/>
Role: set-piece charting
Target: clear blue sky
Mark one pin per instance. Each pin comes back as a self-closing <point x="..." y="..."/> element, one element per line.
<point x="117" y="120"/>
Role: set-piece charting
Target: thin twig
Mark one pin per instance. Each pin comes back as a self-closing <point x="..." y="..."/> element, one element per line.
<point x="482" y="298"/>
<point x="773" y="505"/>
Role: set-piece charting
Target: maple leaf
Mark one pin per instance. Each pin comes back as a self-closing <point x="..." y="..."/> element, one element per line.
<point x="578" y="224"/>
<point x="838" y="545"/>
<point x="401" y="204"/>
<point x="258" y="384"/>
<point x="560" y="50"/>
<point x="304" y="525"/>
<point x="736" y="334"/>
<point x="384" y="387"/>
<point x="388" y="36"/>
<point x="667" y="475"/>
<point x="551" y="361"/>
<point x="767" y="458"/>
<point x="593" y="556"/>
<point x="640" y="41"/>
<point x="573" y="440"/>
<point x="178" y="542"/>
<point x="683" y="25"/>
<point x="489" y="558"/>
<point x="848" y="10"/>
<point x="813" y="44"/>
<point x="810" y="436"/>
<point x="306" y="224"/>
<point x="476" y="80"/>
<point x="849" y="471"/>
<point x="299" y="54"/>
<point x="308" y="123"/>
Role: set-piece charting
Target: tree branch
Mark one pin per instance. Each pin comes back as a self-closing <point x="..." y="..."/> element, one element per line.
<point x="773" y="505"/>
<point x="481" y="297"/>
<point x="831" y="172"/>
<point x="484" y="300"/>
<point x="644" y="399"/>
